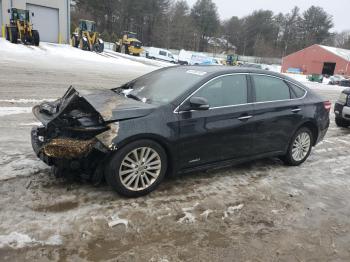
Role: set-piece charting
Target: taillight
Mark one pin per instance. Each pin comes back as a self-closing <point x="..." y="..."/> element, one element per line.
<point x="327" y="105"/>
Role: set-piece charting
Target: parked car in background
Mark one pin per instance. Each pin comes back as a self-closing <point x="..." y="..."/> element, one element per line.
<point x="315" y="78"/>
<point x="160" y="54"/>
<point x="342" y="109"/>
<point x="335" y="80"/>
<point x="345" y="82"/>
<point x="176" y="120"/>
<point x="185" y="57"/>
<point x="194" y="58"/>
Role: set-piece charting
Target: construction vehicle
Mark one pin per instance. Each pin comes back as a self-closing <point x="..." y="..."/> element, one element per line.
<point x="129" y="44"/>
<point x="21" y="28"/>
<point x="86" y="37"/>
<point x="232" y="60"/>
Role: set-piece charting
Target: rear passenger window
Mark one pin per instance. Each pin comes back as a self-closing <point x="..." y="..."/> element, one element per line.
<point x="270" y="88"/>
<point x="162" y="53"/>
<point x="225" y="91"/>
<point x="297" y="92"/>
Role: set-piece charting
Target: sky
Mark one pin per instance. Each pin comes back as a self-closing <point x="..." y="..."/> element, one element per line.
<point x="339" y="9"/>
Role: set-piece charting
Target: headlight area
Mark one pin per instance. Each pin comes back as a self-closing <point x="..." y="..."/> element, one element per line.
<point x="71" y="154"/>
<point x="343" y="99"/>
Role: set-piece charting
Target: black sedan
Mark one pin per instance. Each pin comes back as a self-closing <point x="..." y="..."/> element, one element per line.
<point x="345" y="82"/>
<point x="176" y="120"/>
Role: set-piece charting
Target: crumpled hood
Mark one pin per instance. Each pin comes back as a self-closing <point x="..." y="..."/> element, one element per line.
<point x="109" y="105"/>
<point x="114" y="107"/>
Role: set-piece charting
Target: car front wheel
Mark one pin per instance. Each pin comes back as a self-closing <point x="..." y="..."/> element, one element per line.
<point x="137" y="169"/>
<point x="299" y="148"/>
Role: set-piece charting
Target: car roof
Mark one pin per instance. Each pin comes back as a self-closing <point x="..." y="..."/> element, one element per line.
<point x="220" y="70"/>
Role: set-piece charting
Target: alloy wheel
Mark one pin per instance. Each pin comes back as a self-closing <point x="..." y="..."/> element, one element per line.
<point x="140" y="168"/>
<point x="301" y="146"/>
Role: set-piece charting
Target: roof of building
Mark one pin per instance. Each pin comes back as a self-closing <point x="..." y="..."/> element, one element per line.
<point x="343" y="53"/>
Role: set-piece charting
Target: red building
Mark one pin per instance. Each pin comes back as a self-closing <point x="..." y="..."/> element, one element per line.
<point x="318" y="59"/>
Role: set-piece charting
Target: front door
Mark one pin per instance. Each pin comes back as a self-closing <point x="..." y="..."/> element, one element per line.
<point x="224" y="131"/>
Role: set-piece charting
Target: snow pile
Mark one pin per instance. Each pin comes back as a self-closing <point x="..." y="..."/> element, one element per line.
<point x="18" y="240"/>
<point x="57" y="54"/>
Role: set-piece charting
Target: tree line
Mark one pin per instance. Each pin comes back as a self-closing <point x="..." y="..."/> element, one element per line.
<point x="173" y="24"/>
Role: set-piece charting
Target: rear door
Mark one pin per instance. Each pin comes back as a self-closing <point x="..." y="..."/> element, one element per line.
<point x="277" y="111"/>
<point x="224" y="131"/>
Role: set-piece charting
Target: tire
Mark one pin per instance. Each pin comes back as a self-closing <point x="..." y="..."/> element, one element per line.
<point x="13" y="35"/>
<point x="136" y="177"/>
<point x="290" y="158"/>
<point x="36" y="37"/>
<point x="7" y="33"/>
<point x="75" y="41"/>
<point x="126" y="49"/>
<point x="83" y="45"/>
<point x="341" y="122"/>
<point x="99" y="47"/>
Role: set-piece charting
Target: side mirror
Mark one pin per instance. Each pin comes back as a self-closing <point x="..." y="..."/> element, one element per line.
<point x="32" y="14"/>
<point x="199" y="103"/>
<point x="8" y="11"/>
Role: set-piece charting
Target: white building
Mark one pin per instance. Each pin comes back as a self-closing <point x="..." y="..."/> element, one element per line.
<point x="51" y="17"/>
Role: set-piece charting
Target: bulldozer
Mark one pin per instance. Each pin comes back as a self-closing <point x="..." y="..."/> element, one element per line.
<point x="86" y="37"/>
<point x="21" y="28"/>
<point x="129" y="44"/>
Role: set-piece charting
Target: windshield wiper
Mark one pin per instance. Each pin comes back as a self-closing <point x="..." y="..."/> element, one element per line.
<point x="133" y="97"/>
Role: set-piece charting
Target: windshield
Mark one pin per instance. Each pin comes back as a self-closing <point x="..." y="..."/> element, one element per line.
<point x="163" y="86"/>
<point x="88" y="26"/>
<point x="132" y="35"/>
<point x="22" y="15"/>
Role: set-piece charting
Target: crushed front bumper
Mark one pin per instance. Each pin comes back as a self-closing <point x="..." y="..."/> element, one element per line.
<point x="59" y="149"/>
<point x="37" y="145"/>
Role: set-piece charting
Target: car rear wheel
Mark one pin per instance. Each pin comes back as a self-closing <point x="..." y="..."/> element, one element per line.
<point x="137" y="169"/>
<point x="341" y="122"/>
<point x="299" y="148"/>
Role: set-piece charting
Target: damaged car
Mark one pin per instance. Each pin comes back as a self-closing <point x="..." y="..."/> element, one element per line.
<point x="177" y="120"/>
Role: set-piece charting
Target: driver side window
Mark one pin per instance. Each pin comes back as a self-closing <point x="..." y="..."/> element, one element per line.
<point x="225" y="91"/>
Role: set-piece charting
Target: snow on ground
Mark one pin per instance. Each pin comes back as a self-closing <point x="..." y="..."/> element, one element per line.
<point x="25" y="101"/>
<point x="4" y="111"/>
<point x="18" y="240"/>
<point x="56" y="53"/>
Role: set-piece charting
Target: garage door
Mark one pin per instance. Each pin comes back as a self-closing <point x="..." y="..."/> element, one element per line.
<point x="45" y="20"/>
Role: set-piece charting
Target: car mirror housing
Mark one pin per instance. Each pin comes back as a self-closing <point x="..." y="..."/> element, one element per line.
<point x="199" y="103"/>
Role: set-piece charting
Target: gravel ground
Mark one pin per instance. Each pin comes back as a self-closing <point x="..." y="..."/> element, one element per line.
<point x="259" y="211"/>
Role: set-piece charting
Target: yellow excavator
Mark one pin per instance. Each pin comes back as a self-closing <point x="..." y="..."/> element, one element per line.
<point x="21" y="28"/>
<point x="86" y="37"/>
<point x="129" y="44"/>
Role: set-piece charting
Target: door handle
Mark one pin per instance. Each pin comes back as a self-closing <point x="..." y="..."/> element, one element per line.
<point x="242" y="118"/>
<point x="296" y="110"/>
